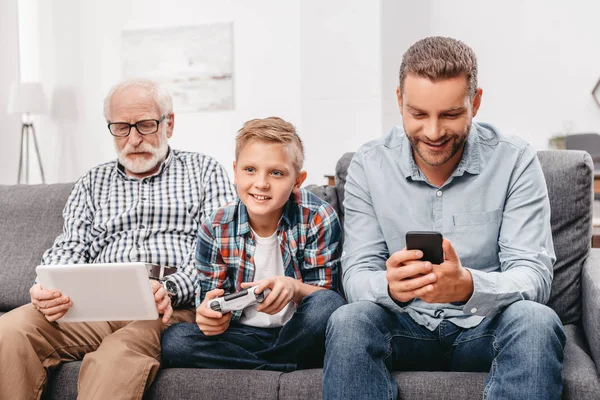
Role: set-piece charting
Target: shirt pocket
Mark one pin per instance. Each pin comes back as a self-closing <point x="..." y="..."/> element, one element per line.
<point x="475" y="237"/>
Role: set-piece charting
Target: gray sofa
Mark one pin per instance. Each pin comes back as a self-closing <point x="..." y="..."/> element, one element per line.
<point x="30" y="218"/>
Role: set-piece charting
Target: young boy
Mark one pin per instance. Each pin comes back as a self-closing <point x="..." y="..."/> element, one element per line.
<point x="275" y="236"/>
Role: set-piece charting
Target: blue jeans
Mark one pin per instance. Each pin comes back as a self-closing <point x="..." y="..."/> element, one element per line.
<point x="299" y="344"/>
<point x="521" y="348"/>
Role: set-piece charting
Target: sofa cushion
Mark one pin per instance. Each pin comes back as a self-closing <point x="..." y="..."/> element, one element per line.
<point x="30" y="220"/>
<point x="181" y="383"/>
<point x="580" y="379"/>
<point x="213" y="384"/>
<point x="580" y="376"/>
<point x="341" y="172"/>
<point x="569" y="176"/>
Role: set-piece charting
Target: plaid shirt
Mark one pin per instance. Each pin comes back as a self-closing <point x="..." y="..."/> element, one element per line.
<point x="309" y="234"/>
<point x="112" y="217"/>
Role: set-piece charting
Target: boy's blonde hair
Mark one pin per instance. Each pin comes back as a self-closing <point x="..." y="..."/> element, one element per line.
<point x="272" y="130"/>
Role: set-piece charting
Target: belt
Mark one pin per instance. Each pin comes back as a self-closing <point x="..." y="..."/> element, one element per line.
<point x="158" y="272"/>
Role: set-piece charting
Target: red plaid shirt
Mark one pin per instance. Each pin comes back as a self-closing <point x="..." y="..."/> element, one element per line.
<point x="309" y="235"/>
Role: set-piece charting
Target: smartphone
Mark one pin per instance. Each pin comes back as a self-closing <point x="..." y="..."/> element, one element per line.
<point x="430" y="243"/>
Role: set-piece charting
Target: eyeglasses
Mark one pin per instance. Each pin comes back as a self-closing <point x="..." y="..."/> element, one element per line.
<point x="144" y="127"/>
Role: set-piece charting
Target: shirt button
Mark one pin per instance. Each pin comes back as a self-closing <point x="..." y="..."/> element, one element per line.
<point x="138" y="246"/>
<point x="473" y="310"/>
<point x="439" y="193"/>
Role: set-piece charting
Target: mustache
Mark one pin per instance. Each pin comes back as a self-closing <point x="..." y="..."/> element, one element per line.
<point x="141" y="148"/>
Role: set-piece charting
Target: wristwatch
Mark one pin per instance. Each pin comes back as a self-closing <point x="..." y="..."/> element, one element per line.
<point x="170" y="287"/>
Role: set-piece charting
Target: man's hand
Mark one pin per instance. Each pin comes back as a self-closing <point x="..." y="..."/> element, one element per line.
<point x="453" y="284"/>
<point x="209" y="321"/>
<point x="409" y="278"/>
<point x="163" y="301"/>
<point x="283" y="290"/>
<point x="51" y="303"/>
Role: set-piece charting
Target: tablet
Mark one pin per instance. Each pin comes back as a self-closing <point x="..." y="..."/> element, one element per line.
<point x="102" y="292"/>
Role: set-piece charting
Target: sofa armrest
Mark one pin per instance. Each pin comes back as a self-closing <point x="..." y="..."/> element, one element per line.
<point x="590" y="287"/>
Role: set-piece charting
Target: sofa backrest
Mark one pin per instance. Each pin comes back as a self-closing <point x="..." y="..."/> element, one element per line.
<point x="569" y="177"/>
<point x="30" y="220"/>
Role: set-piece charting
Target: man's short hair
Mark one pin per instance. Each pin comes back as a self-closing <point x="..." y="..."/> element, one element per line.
<point x="272" y="130"/>
<point x="437" y="58"/>
<point x="162" y="98"/>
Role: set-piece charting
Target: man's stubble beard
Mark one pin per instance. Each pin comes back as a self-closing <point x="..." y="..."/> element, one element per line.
<point x="425" y="156"/>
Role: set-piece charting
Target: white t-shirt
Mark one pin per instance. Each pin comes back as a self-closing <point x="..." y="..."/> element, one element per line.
<point x="268" y="262"/>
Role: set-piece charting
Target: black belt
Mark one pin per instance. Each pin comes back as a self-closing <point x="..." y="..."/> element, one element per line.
<point x="158" y="272"/>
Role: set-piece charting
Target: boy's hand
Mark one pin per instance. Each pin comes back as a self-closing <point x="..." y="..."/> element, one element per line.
<point x="51" y="303"/>
<point x="163" y="301"/>
<point x="209" y="321"/>
<point x="283" y="291"/>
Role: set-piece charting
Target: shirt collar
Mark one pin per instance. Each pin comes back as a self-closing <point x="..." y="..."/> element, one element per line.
<point x="469" y="162"/>
<point x="165" y="164"/>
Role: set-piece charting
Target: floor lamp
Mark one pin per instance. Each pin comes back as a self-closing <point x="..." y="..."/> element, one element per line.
<point x="26" y="99"/>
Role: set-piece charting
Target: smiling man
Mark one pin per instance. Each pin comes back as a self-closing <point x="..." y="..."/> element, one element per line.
<point x="482" y="308"/>
<point x="145" y="207"/>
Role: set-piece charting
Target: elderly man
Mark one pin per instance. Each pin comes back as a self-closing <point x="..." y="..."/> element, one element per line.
<point x="145" y="207"/>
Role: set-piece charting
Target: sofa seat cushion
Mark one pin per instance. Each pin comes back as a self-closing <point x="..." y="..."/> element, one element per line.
<point x="581" y="380"/>
<point x="182" y="383"/>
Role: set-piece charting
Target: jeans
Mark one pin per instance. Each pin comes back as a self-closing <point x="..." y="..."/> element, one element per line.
<point x="521" y="348"/>
<point x="299" y="344"/>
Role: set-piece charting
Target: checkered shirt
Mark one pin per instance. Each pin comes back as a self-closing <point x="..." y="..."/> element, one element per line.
<point x="112" y="217"/>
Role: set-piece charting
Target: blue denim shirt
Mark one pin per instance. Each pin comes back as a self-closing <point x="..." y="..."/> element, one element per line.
<point x="494" y="209"/>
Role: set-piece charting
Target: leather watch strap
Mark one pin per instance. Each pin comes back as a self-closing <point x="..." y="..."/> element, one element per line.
<point x="158" y="272"/>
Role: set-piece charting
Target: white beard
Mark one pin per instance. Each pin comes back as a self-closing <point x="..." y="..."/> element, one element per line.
<point x="141" y="165"/>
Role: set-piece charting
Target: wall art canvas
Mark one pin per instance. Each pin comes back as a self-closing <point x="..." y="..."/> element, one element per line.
<point x="195" y="63"/>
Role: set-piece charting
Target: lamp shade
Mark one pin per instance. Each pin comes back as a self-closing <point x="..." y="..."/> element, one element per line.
<point x="27" y="97"/>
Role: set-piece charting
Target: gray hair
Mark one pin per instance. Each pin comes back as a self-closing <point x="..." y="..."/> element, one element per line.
<point x="437" y="58"/>
<point x="162" y="98"/>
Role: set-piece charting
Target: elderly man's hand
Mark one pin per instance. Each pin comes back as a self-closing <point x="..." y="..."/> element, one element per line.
<point x="51" y="303"/>
<point x="163" y="301"/>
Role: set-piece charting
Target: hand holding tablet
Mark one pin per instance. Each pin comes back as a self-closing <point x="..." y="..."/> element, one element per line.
<point x="100" y="292"/>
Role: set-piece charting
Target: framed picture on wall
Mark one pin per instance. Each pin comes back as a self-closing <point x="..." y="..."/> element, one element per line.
<point x="194" y="63"/>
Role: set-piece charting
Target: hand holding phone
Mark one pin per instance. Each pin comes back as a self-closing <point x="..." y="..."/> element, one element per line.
<point x="430" y="243"/>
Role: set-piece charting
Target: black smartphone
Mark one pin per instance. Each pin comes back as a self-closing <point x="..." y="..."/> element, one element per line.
<point x="430" y="243"/>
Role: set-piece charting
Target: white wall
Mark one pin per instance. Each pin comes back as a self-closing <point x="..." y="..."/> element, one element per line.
<point x="314" y="63"/>
<point x="81" y="54"/>
<point x="340" y="75"/>
<point x="402" y="24"/>
<point x="330" y="67"/>
<point x="10" y="131"/>
<point x="538" y="62"/>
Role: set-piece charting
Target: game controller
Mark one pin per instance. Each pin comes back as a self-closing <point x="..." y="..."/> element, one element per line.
<point x="236" y="301"/>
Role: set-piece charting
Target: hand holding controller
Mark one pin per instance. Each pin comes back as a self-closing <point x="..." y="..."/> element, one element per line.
<point x="236" y="301"/>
